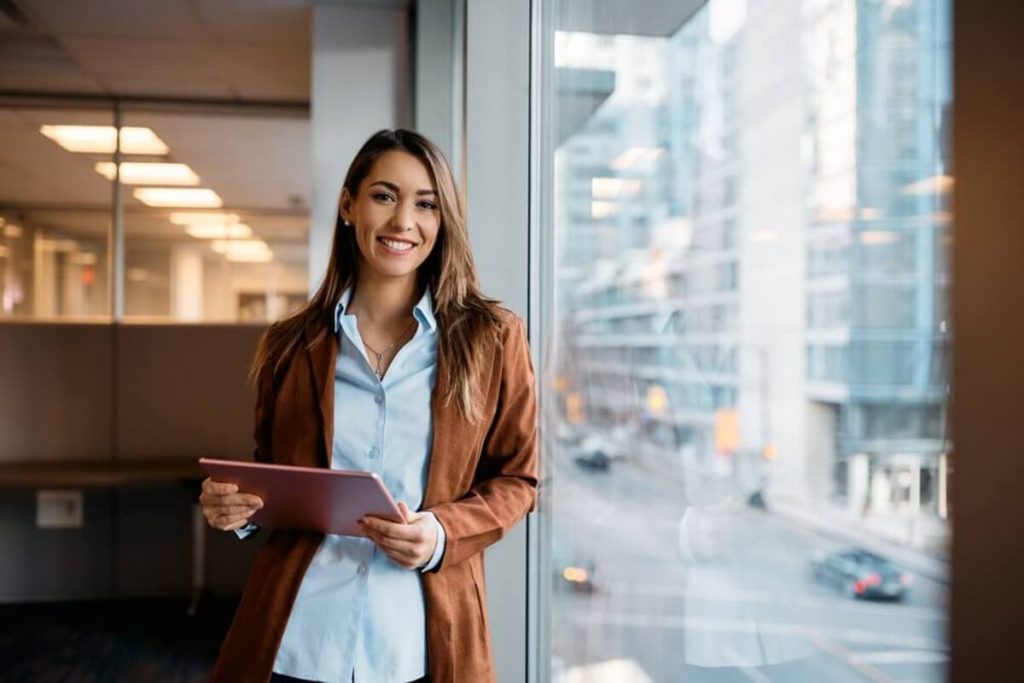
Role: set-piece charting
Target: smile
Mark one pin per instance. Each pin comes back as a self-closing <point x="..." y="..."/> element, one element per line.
<point x="396" y="246"/>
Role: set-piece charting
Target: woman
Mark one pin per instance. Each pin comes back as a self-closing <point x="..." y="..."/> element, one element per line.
<point x="397" y="365"/>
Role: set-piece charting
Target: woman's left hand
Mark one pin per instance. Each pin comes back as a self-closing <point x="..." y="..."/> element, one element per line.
<point x="409" y="545"/>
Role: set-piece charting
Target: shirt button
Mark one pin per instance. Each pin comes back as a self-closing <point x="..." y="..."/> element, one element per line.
<point x="361" y="568"/>
<point x="379" y="398"/>
<point x="374" y="452"/>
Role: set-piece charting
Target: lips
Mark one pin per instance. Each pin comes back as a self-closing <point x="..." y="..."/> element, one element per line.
<point x="396" y="246"/>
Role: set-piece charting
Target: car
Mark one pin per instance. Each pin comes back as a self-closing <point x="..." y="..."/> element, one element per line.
<point x="860" y="574"/>
<point x="596" y="460"/>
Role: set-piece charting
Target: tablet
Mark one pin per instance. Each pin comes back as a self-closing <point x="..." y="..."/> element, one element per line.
<point x="308" y="498"/>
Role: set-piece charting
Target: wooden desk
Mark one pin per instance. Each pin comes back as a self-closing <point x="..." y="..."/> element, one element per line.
<point x="120" y="474"/>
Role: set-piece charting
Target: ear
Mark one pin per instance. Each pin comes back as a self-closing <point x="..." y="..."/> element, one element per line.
<point x="345" y="205"/>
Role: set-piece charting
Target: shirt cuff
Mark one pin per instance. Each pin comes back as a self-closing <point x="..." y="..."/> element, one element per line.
<point x="247" y="531"/>
<point x="435" y="559"/>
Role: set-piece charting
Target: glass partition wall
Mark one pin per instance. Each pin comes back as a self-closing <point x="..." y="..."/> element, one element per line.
<point x="744" y="231"/>
<point x="55" y="213"/>
<point x="211" y="205"/>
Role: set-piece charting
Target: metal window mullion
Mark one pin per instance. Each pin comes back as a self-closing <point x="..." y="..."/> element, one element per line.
<point x="115" y="268"/>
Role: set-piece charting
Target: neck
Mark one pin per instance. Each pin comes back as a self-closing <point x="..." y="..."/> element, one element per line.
<point x="384" y="301"/>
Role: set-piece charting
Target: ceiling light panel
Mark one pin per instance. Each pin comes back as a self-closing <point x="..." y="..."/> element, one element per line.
<point x="102" y="139"/>
<point x="149" y="173"/>
<point x="194" y="197"/>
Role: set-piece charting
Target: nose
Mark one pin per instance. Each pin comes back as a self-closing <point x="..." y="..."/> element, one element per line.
<point x="404" y="216"/>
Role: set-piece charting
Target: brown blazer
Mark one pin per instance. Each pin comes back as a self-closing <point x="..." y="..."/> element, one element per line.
<point x="481" y="480"/>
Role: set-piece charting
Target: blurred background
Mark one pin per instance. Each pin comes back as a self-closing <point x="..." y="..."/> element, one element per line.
<point x="729" y="224"/>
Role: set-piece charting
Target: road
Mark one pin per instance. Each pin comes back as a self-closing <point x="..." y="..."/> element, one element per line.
<point x="694" y="587"/>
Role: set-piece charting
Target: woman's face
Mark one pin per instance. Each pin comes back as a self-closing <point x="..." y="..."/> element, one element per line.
<point x="395" y="215"/>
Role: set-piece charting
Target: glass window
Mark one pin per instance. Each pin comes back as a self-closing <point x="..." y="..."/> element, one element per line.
<point x="215" y="206"/>
<point x="745" y="480"/>
<point x="55" y="213"/>
<point x="222" y="236"/>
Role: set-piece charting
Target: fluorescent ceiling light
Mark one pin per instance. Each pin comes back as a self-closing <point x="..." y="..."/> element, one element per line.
<point x="248" y="251"/>
<point x="936" y="184"/>
<point x="178" y="196"/>
<point x="149" y="173"/>
<point x="203" y="218"/>
<point x="219" y="231"/>
<point x="102" y="139"/>
<point x="243" y="257"/>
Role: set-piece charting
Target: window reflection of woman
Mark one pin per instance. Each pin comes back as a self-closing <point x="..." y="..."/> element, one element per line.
<point x="398" y="365"/>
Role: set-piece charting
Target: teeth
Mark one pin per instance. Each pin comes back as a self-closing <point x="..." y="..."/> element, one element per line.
<point x="397" y="246"/>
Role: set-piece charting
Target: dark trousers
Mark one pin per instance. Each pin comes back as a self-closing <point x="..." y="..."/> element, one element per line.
<point x="278" y="678"/>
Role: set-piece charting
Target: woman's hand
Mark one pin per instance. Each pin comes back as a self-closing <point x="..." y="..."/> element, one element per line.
<point x="225" y="508"/>
<point x="409" y="545"/>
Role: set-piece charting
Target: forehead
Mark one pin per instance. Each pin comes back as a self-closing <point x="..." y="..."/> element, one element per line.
<point x="402" y="169"/>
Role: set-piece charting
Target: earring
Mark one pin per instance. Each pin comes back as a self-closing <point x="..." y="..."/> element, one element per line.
<point x="346" y="223"/>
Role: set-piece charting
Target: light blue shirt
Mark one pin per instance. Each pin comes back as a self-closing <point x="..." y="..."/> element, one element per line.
<point x="359" y="616"/>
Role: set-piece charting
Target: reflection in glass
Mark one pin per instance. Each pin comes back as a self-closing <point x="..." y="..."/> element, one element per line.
<point x="54" y="213"/>
<point x="747" y="219"/>
<point x="233" y="245"/>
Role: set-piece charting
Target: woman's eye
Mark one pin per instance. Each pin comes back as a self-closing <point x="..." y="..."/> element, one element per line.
<point x="382" y="196"/>
<point x="429" y="206"/>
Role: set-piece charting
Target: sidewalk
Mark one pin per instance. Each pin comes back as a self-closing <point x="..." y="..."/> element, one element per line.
<point x="919" y="548"/>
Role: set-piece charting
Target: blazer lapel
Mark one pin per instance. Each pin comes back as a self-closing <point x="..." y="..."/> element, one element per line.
<point x="453" y="437"/>
<point x="323" y="361"/>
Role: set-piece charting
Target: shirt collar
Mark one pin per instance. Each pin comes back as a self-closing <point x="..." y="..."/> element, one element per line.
<point x="423" y="311"/>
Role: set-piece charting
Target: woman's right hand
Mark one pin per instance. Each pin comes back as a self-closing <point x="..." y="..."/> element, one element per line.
<point x="224" y="507"/>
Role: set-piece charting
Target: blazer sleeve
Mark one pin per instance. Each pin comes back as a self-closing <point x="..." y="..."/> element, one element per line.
<point x="506" y="487"/>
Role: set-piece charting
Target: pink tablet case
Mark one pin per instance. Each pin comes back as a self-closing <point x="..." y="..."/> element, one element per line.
<point x="308" y="498"/>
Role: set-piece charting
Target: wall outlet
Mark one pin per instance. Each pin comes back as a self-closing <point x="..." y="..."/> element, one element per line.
<point x="58" y="509"/>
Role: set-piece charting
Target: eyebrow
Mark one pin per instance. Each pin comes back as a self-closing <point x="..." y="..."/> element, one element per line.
<point x="394" y="188"/>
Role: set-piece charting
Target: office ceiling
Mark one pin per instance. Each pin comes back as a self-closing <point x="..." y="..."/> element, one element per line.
<point x="228" y="51"/>
<point x="219" y="49"/>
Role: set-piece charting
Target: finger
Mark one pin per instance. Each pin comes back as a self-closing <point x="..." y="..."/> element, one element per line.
<point x="391" y="544"/>
<point x="226" y="520"/>
<point x="399" y="558"/>
<point x="219" y="488"/>
<point x="237" y="525"/>
<point x="235" y="509"/>
<point x="408" y="532"/>
<point x="407" y="514"/>
<point x="238" y="499"/>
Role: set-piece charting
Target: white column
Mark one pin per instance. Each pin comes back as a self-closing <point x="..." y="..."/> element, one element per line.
<point x="497" y="189"/>
<point x="360" y="85"/>
<point x="187" y="282"/>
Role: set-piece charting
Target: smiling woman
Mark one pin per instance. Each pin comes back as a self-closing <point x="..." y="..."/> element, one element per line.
<point x="444" y="413"/>
<point x="392" y="221"/>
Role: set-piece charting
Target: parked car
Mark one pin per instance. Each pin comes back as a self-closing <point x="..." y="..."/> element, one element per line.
<point x="861" y="574"/>
<point x="593" y="460"/>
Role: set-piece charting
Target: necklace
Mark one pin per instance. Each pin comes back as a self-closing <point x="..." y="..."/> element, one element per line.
<point x="380" y="355"/>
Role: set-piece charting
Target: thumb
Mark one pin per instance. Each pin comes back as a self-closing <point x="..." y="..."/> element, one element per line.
<point x="407" y="514"/>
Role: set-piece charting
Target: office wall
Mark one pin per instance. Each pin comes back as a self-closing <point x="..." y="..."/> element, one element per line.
<point x="361" y="83"/>
<point x="55" y="393"/>
<point x="497" y="128"/>
<point x="99" y="393"/>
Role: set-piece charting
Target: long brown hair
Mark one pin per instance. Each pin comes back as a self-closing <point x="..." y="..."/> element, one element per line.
<point x="465" y="317"/>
